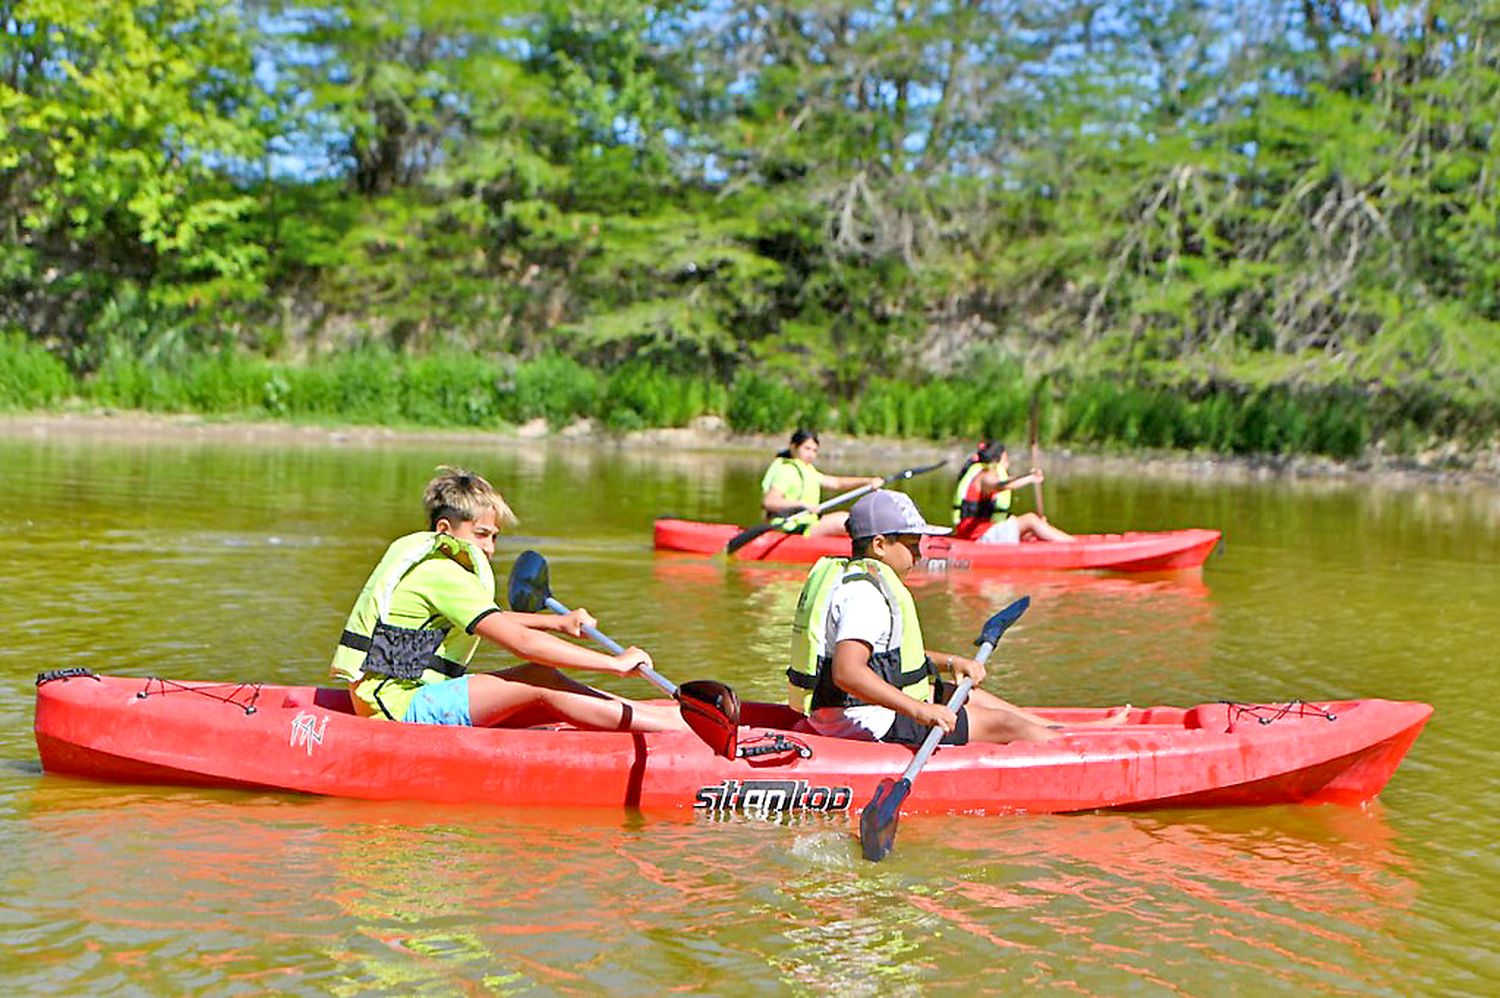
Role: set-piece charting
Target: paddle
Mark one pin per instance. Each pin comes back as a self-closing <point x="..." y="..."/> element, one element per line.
<point x="744" y="537"/>
<point x="1041" y="507"/>
<point x="710" y="708"/>
<point x="877" y="825"/>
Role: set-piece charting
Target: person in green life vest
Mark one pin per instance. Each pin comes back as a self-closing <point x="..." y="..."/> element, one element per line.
<point x="982" y="497"/>
<point x="429" y="603"/>
<point x="859" y="665"/>
<point x="791" y="488"/>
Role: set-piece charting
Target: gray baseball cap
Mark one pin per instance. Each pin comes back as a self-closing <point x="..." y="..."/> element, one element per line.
<point x="883" y="512"/>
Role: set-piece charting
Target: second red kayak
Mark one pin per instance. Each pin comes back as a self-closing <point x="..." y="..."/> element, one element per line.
<point x="1162" y="551"/>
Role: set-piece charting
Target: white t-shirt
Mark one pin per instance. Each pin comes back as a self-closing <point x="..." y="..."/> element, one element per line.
<point x="858" y="612"/>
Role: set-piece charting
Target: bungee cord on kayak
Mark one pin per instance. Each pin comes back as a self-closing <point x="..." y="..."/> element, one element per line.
<point x="1294" y="708"/>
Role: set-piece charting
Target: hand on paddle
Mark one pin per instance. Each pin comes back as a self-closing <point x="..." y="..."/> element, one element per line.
<point x="1032" y="477"/>
<point x="578" y="620"/>
<point x="711" y="709"/>
<point x="631" y="660"/>
<point x="878" y="820"/>
<point x="969" y="668"/>
<point x="574" y="623"/>
<point x="747" y="535"/>
<point x="935" y="715"/>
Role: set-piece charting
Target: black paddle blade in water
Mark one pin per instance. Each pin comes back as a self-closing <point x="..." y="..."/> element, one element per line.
<point x="996" y="625"/>
<point x="712" y="710"/>
<point x="529" y="585"/>
<point x="877" y="823"/>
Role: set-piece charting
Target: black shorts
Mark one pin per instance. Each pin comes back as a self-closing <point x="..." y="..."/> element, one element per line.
<point x="908" y="732"/>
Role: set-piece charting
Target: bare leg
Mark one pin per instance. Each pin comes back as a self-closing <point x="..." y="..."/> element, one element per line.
<point x="1030" y="523"/>
<point x="986" y="700"/>
<point x="829" y="524"/>
<point x="989" y="725"/>
<point x="550" y="678"/>
<point x="662" y="718"/>
<point x="495" y="697"/>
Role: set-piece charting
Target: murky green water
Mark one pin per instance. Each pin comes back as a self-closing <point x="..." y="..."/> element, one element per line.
<point x="228" y="561"/>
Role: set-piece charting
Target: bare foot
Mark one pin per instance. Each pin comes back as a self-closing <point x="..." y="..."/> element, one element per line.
<point x="1120" y="715"/>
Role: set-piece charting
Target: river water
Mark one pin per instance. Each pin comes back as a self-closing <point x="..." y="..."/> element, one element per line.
<point x="225" y="560"/>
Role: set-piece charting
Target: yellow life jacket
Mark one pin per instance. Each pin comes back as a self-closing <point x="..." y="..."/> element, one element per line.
<point x="904" y="665"/>
<point x="968" y="503"/>
<point x="808" y="492"/>
<point x="370" y="645"/>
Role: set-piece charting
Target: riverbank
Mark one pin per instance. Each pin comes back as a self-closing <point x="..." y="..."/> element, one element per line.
<point x="1450" y="467"/>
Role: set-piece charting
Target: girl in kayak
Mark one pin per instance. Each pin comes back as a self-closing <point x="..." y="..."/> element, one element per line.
<point x="791" y="488"/>
<point x="431" y="600"/>
<point x="859" y="666"/>
<point x="981" y="501"/>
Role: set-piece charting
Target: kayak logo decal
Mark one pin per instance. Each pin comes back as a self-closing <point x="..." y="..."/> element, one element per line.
<point x="936" y="565"/>
<point x="307" y="731"/>
<point x="772" y="796"/>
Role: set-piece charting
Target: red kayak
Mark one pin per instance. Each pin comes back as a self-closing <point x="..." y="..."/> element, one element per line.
<point x="305" y="739"/>
<point x="1164" y="551"/>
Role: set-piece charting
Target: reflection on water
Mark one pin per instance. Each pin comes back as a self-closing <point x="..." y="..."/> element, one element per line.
<point x="198" y="889"/>
<point x="230" y="561"/>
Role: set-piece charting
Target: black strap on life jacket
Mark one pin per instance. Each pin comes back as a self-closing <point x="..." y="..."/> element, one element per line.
<point x="887" y="665"/>
<point x="982" y="509"/>
<point x="402" y="652"/>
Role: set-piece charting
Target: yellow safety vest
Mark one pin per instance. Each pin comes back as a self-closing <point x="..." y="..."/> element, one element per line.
<point x="808" y="492"/>
<point x="904" y="665"/>
<point x="967" y="503"/>
<point x="372" y="646"/>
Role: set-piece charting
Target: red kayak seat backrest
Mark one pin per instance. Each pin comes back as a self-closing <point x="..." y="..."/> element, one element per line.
<point x="1209" y="717"/>
<point x="320" y="696"/>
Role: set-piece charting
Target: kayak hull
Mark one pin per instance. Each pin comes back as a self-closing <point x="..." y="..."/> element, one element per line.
<point x="1139" y="551"/>
<point x="305" y="739"/>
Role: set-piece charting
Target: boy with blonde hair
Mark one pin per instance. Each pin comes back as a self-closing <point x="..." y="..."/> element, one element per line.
<point x="428" y="604"/>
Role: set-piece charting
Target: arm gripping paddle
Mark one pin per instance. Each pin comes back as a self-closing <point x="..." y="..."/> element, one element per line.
<point x="710" y="708"/>
<point x="877" y="823"/>
<point x="749" y="534"/>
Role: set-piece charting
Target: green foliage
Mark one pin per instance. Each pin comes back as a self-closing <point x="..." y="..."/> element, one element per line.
<point x="552" y="387"/>
<point x="759" y="404"/>
<point x="30" y="377"/>
<point x="640" y="395"/>
<point x="1272" y="236"/>
<point x="125" y="125"/>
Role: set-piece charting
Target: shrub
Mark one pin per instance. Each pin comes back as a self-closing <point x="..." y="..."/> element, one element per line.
<point x="30" y="377"/>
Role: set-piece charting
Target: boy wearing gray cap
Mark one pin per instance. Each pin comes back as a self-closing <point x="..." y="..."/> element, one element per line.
<point x="859" y="667"/>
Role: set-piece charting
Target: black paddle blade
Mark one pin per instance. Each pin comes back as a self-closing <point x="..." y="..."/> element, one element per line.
<point x="901" y="476"/>
<point x="996" y="625"/>
<point x="712" y="710"/>
<point x="744" y="537"/>
<point x="529" y="586"/>
<point x="877" y="823"/>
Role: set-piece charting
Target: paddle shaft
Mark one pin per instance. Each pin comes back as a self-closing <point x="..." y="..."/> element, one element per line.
<point x="616" y="648"/>
<point x="745" y="536"/>
<point x="1036" y="487"/>
<point x="930" y="743"/>
<point x="888" y="479"/>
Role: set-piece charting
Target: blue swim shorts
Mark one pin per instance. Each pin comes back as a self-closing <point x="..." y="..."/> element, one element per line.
<point x="441" y="703"/>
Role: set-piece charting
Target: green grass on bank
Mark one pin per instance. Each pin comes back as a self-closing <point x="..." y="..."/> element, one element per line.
<point x="375" y="387"/>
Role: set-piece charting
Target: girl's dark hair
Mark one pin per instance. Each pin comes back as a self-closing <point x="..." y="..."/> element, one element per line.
<point x="987" y="452"/>
<point x="799" y="437"/>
